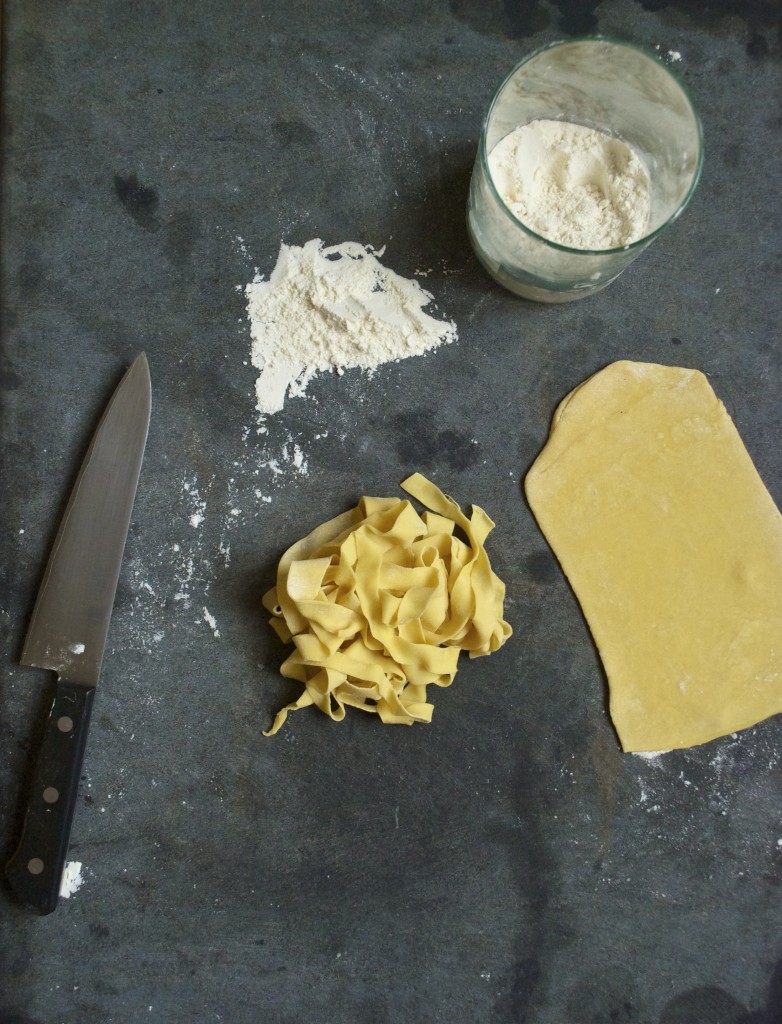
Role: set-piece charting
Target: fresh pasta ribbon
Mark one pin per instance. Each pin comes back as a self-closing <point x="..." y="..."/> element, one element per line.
<point x="379" y="602"/>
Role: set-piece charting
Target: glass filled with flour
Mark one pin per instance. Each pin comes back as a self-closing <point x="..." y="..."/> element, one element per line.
<point x="590" y="150"/>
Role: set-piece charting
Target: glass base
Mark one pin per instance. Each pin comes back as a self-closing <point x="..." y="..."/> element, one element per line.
<point x="529" y="287"/>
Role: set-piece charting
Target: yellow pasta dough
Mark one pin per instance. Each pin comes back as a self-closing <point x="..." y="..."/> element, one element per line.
<point x="673" y="547"/>
<point x="379" y="602"/>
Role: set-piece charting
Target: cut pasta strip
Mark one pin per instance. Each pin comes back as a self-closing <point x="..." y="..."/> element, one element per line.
<point x="379" y="602"/>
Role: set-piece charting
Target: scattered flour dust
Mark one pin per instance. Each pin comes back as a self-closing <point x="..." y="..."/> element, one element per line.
<point x="333" y="308"/>
<point x="72" y="879"/>
<point x="674" y="56"/>
<point x="172" y="583"/>
<point x="210" y="620"/>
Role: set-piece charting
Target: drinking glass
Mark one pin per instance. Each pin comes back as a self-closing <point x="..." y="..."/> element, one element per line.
<point x="613" y="87"/>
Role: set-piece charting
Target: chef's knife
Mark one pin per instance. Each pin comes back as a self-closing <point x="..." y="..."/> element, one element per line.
<point x="67" y="632"/>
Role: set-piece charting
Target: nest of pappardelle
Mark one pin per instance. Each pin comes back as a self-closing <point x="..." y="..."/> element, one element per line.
<point x="380" y="601"/>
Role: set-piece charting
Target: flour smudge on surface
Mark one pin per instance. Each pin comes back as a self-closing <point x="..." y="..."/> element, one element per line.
<point x="72" y="879"/>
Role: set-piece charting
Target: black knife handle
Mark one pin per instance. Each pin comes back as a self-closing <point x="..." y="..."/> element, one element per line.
<point x="34" y="872"/>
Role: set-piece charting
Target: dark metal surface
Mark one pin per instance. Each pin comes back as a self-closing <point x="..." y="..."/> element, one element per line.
<point x="507" y="863"/>
<point x="67" y="632"/>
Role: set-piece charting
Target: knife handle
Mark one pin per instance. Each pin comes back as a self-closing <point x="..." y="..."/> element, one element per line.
<point x="34" y="872"/>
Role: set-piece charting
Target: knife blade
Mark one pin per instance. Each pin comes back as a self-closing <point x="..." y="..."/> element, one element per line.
<point x="68" y="629"/>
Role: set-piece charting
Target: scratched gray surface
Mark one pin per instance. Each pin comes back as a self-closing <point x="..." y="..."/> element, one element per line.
<point x="507" y="863"/>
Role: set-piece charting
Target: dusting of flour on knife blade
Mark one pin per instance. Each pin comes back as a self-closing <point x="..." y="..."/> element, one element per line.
<point x="333" y="308"/>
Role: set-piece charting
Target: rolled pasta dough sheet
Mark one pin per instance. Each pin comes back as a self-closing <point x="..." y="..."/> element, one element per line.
<point x="673" y="547"/>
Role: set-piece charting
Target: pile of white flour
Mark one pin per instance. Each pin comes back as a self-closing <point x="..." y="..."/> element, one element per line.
<point x="572" y="185"/>
<point x="333" y="308"/>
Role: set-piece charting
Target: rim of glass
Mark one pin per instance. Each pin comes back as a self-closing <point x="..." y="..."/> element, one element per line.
<point x="645" y="239"/>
